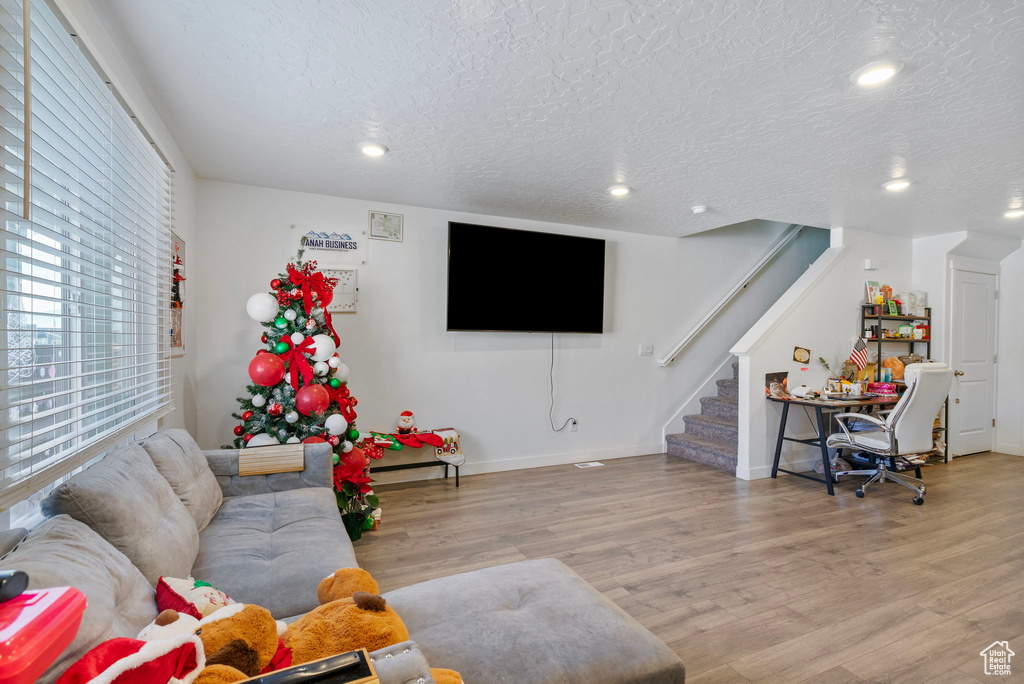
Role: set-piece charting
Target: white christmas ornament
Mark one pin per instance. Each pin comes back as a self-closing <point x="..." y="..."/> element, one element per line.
<point x="259" y="400"/>
<point x="293" y="440"/>
<point x="262" y="439"/>
<point x="262" y="307"/>
<point x="290" y="314"/>
<point x="321" y="368"/>
<point x="291" y="417"/>
<point x="334" y="361"/>
<point x="342" y="372"/>
<point x="336" y="424"/>
<point x="297" y="338"/>
<point x="324" y="347"/>
<point x="346" y="446"/>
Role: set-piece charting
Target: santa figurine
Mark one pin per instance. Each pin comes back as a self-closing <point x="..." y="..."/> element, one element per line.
<point x="406" y="423"/>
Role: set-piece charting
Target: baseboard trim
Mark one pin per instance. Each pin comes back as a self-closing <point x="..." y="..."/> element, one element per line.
<point x="801" y="465"/>
<point x="479" y="467"/>
<point x="1007" y="448"/>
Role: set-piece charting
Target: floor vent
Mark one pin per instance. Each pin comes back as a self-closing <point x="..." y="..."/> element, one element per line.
<point x="588" y="464"/>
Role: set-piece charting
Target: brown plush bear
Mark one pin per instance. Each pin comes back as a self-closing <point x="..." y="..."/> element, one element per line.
<point x="241" y="637"/>
<point x="346" y="622"/>
<point x="345" y="582"/>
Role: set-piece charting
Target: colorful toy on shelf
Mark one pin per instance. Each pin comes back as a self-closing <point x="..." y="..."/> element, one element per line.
<point x="406" y="423"/>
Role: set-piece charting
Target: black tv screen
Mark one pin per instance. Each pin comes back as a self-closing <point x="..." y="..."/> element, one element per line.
<point x="507" y="280"/>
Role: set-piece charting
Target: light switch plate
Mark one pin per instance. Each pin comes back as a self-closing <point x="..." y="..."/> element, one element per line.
<point x="646" y="350"/>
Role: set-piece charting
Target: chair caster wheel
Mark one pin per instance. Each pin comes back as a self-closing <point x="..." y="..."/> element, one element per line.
<point x="919" y="500"/>
<point x="860" y="493"/>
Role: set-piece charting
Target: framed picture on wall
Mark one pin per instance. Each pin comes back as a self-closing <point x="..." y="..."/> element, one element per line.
<point x="386" y="226"/>
<point x="177" y="295"/>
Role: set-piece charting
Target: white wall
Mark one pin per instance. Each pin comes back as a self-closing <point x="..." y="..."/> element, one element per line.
<point x="493" y="387"/>
<point x="820" y="312"/>
<point x="114" y="57"/>
<point x="1010" y="389"/>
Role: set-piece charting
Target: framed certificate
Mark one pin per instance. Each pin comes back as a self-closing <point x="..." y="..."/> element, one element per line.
<point x="386" y="226"/>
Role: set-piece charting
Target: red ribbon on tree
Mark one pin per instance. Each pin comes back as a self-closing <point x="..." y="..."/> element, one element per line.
<point x="309" y="283"/>
<point x="298" y="364"/>
<point x="341" y="396"/>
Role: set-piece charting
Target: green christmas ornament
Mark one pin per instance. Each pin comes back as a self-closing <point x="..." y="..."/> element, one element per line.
<point x="281" y="323"/>
<point x="281" y="347"/>
<point x="335" y="383"/>
<point x="336" y="459"/>
<point x="353" y="434"/>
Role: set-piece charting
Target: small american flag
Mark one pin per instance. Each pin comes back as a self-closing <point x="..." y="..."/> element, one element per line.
<point x="859" y="355"/>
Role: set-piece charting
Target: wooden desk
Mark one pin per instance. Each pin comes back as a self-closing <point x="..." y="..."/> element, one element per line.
<point x="820" y="405"/>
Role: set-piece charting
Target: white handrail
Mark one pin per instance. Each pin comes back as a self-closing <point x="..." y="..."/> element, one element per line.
<point x="787" y="236"/>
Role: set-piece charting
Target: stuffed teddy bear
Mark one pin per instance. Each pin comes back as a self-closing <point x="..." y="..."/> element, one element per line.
<point x="352" y="615"/>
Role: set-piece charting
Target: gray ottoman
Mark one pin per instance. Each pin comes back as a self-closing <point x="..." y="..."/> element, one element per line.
<point x="534" y="622"/>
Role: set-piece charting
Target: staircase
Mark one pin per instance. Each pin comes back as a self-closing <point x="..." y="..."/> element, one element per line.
<point x="712" y="436"/>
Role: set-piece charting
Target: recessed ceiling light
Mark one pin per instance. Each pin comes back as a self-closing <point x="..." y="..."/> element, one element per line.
<point x="896" y="185"/>
<point x="619" y="190"/>
<point x="372" y="149"/>
<point x="1014" y="213"/>
<point x="876" y="72"/>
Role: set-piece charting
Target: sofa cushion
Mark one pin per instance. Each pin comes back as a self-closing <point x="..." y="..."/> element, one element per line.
<point x="183" y="464"/>
<point x="11" y="538"/>
<point x="127" y="502"/>
<point x="273" y="549"/>
<point x="64" y="552"/>
<point x="536" y="621"/>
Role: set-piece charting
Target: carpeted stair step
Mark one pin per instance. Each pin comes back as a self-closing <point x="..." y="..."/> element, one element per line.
<point x="721" y="407"/>
<point x="700" y="450"/>
<point x="728" y="388"/>
<point x="722" y="430"/>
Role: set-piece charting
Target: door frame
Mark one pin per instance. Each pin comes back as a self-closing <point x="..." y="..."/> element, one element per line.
<point x="971" y="265"/>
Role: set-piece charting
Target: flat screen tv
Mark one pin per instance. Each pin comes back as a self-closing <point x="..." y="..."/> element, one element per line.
<point x="507" y="280"/>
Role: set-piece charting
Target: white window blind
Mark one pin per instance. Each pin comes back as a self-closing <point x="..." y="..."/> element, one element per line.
<point x="84" y="339"/>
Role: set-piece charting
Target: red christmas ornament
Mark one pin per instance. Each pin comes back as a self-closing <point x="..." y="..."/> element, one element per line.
<point x="296" y="294"/>
<point x="247" y="416"/>
<point x="247" y="438"/>
<point x="239" y="430"/>
<point x="263" y="338"/>
<point x="334" y="440"/>
<point x="275" y="284"/>
<point x="311" y="399"/>
<point x="266" y="369"/>
<point x="313" y="440"/>
<point x="275" y="409"/>
<point x="353" y="401"/>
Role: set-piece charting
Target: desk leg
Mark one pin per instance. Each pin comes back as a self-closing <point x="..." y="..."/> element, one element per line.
<point x="456" y="476"/>
<point x="446" y="471"/>
<point x="827" y="472"/>
<point x="778" y="443"/>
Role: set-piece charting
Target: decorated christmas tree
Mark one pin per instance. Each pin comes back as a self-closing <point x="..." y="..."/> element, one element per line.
<point x="299" y="390"/>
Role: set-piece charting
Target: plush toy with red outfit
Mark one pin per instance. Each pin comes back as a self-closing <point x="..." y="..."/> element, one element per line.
<point x="406" y="423"/>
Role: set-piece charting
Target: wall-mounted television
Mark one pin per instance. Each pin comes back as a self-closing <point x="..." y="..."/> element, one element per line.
<point x="506" y="280"/>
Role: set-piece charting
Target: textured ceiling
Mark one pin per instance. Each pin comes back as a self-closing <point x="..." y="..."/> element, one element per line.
<point x="533" y="108"/>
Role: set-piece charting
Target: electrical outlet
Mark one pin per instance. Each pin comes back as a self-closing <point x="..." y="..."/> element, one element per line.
<point x="574" y="426"/>
<point x="646" y="350"/>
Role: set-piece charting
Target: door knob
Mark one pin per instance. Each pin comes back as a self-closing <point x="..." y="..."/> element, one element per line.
<point x="958" y="373"/>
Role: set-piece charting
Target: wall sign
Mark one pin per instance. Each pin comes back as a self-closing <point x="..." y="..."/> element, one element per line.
<point x="330" y="247"/>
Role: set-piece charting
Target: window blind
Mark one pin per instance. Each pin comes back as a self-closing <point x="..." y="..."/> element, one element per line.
<point x="84" y="342"/>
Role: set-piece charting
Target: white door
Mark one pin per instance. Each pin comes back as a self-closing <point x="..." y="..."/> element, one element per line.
<point x="973" y="352"/>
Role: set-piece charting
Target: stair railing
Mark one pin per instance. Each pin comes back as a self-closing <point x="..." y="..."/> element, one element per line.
<point x="787" y="237"/>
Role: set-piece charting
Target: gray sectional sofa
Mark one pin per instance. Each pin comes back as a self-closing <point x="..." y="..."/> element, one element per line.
<point x="164" y="507"/>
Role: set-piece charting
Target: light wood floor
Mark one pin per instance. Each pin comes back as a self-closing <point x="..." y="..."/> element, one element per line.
<point x="765" y="581"/>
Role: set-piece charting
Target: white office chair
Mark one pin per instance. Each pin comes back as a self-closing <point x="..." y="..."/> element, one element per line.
<point x="906" y="429"/>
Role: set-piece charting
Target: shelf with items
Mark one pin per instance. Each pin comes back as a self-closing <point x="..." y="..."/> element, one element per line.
<point x="873" y="321"/>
